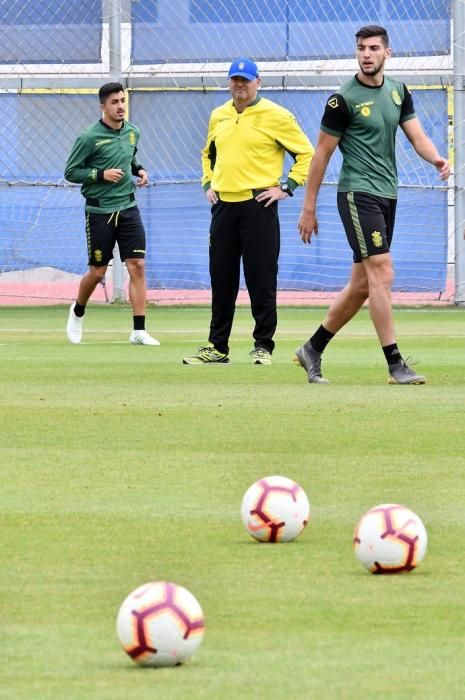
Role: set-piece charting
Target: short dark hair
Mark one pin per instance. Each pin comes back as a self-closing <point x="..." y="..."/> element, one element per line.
<point x="109" y="89"/>
<point x="373" y="30"/>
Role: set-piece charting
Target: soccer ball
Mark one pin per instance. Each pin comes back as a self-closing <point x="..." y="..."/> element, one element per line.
<point x="160" y="624"/>
<point x="275" y="509"/>
<point x="390" y="539"/>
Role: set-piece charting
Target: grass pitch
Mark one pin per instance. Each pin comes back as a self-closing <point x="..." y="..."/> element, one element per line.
<point x="119" y="465"/>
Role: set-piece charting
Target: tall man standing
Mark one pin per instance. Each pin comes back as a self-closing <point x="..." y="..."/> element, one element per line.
<point x="242" y="165"/>
<point x="362" y="119"/>
<point x="103" y="159"/>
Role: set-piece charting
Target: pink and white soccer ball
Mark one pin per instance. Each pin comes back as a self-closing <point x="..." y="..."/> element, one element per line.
<point x="160" y="624"/>
<point x="275" y="509"/>
<point x="390" y="539"/>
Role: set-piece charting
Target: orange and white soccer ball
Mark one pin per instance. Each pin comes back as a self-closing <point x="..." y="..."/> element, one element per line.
<point x="275" y="509"/>
<point x="160" y="624"/>
<point x="390" y="539"/>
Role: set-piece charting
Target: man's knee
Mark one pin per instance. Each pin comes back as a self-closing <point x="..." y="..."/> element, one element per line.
<point x="379" y="270"/>
<point x="97" y="274"/>
<point x="136" y="267"/>
<point x="359" y="289"/>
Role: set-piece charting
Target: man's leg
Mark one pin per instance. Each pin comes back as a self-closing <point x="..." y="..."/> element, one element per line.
<point x="137" y="285"/>
<point x="349" y="300"/>
<point x="88" y="283"/>
<point x="260" y="237"/>
<point x="100" y="243"/>
<point x="130" y="235"/>
<point x="380" y="274"/>
<point x="344" y="307"/>
<point x="225" y="258"/>
<point x="137" y="297"/>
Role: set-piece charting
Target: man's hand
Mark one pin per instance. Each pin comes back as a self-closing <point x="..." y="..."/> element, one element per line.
<point x="113" y="175"/>
<point x="270" y="195"/>
<point x="143" y="178"/>
<point x="211" y="196"/>
<point x="308" y="225"/>
<point x="443" y="168"/>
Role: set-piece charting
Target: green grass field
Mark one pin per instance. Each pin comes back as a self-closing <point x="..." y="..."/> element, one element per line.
<point x="119" y="465"/>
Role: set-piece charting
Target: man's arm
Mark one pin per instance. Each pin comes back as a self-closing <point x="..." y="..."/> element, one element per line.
<point x="425" y="147"/>
<point x="76" y="169"/>
<point x="325" y="147"/>
<point x="139" y="171"/>
<point x="291" y="137"/>
<point x="208" y="163"/>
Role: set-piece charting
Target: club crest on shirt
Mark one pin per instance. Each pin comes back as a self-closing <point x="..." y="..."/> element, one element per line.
<point x="377" y="239"/>
<point x="396" y="97"/>
<point x="132" y="138"/>
<point x="333" y="102"/>
<point x="365" y="111"/>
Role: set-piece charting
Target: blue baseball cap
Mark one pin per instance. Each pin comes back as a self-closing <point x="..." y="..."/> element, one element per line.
<point x="243" y="68"/>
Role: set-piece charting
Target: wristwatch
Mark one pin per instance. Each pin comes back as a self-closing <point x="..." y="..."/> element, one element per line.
<point x="285" y="188"/>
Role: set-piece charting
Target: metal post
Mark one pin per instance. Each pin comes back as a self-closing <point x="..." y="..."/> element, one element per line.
<point x="114" y="40"/>
<point x="459" y="148"/>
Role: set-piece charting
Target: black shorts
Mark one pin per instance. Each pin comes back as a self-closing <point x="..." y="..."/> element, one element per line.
<point x="368" y="221"/>
<point x="104" y="230"/>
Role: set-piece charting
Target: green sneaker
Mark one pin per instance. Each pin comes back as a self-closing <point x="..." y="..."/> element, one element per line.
<point x="260" y="356"/>
<point x="205" y="356"/>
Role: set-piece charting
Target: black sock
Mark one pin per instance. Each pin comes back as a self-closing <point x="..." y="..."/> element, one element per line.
<point x="392" y="354"/>
<point x="139" y="323"/>
<point x="79" y="310"/>
<point x="321" y="338"/>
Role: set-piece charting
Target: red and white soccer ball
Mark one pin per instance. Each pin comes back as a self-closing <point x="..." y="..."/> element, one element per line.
<point x="275" y="509"/>
<point x="390" y="539"/>
<point x="160" y="624"/>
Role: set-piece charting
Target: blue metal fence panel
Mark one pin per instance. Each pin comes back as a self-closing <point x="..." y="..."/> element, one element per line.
<point x="198" y="30"/>
<point x="51" y="32"/>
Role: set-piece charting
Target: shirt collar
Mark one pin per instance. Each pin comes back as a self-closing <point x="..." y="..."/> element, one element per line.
<point x="111" y="128"/>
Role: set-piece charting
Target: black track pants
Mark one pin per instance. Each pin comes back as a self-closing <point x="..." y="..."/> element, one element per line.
<point x="250" y="231"/>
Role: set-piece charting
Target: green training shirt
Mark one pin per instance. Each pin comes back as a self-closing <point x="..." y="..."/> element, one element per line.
<point x="101" y="148"/>
<point x="366" y="118"/>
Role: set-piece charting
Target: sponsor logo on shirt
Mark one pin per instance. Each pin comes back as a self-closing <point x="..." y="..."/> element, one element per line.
<point x="364" y="108"/>
<point x="333" y="102"/>
<point x="101" y="142"/>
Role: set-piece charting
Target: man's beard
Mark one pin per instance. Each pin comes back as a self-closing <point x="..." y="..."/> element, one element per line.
<point x="371" y="71"/>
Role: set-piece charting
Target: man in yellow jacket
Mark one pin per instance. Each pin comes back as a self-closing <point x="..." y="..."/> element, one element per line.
<point x="242" y="165"/>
